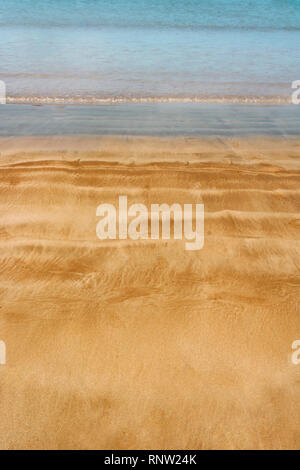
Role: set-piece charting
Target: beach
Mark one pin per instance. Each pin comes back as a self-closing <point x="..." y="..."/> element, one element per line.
<point x="149" y="226"/>
<point x="123" y="344"/>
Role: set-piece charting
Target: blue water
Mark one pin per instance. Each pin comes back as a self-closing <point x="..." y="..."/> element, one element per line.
<point x="90" y="49"/>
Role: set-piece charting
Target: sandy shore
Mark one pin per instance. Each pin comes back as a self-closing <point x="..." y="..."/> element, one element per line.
<point x="141" y="344"/>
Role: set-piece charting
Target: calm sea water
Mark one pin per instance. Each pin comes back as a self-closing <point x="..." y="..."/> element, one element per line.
<point x="89" y="49"/>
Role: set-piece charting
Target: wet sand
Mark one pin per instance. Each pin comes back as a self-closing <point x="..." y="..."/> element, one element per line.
<point x="141" y="344"/>
<point x="229" y="119"/>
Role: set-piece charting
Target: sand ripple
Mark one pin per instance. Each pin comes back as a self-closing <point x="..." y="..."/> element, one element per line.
<point x="141" y="344"/>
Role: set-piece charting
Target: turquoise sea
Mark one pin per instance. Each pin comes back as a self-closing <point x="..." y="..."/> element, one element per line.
<point x="89" y="50"/>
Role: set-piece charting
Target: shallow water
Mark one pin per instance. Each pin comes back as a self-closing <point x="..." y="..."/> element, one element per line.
<point x="159" y="119"/>
<point x="92" y="49"/>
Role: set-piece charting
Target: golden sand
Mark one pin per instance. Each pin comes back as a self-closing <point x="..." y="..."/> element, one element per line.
<point x="141" y="344"/>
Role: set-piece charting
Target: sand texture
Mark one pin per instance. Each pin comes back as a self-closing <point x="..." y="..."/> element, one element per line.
<point x="142" y="344"/>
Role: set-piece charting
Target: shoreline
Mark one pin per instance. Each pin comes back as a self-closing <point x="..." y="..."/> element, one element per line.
<point x="98" y="101"/>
